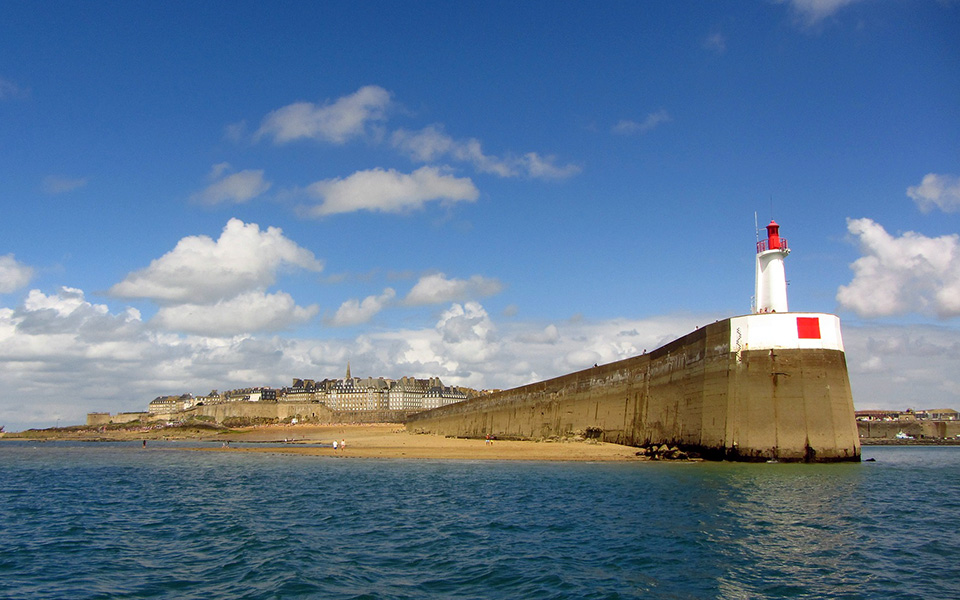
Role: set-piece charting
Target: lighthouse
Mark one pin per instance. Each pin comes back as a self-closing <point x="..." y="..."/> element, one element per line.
<point x="771" y="278"/>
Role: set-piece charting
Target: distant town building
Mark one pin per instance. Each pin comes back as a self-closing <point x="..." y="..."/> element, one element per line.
<point x="347" y="394"/>
<point x="931" y="414"/>
<point x="170" y="404"/>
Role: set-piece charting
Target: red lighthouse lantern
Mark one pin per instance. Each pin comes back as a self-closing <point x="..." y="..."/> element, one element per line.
<point x="773" y="236"/>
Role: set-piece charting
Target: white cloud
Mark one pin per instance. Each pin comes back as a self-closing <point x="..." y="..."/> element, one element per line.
<point x="68" y="301"/>
<point x="812" y="12"/>
<point x="202" y="271"/>
<point x="354" y="312"/>
<point x="543" y="167"/>
<point x="13" y="274"/>
<point x="467" y="348"/>
<point x="236" y="188"/>
<point x="337" y="123"/>
<point x="65" y="327"/>
<point x="467" y="334"/>
<point x="59" y="185"/>
<point x="64" y="356"/>
<point x="437" y="289"/>
<point x="911" y="273"/>
<point x="937" y="191"/>
<point x="249" y="311"/>
<point x="549" y="335"/>
<point x="899" y="367"/>
<point x="431" y="144"/>
<point x="389" y="191"/>
<point x="652" y="120"/>
<point x="11" y="91"/>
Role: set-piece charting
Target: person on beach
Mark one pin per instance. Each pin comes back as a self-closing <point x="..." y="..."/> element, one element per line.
<point x="334" y="445"/>
<point x="343" y="445"/>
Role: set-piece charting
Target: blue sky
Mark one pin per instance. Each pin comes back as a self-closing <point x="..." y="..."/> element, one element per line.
<point x="232" y="194"/>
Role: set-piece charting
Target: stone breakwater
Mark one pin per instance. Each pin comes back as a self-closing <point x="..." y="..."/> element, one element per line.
<point x="702" y="393"/>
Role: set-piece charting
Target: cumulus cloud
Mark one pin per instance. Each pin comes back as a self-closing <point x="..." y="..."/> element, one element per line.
<point x="652" y="120"/>
<point x="432" y="144"/>
<point x="54" y="184"/>
<point x="64" y="355"/>
<point x="200" y="270"/>
<point x="548" y="335"/>
<point x="236" y="187"/>
<point x="354" y="312"/>
<point x="937" y="191"/>
<point x="467" y="333"/>
<point x="13" y="274"/>
<point x="899" y="366"/>
<point x="467" y="348"/>
<point x="346" y="118"/>
<point x="911" y="273"/>
<point x="811" y="12"/>
<point x="380" y="190"/>
<point x="69" y="308"/>
<point x="249" y="311"/>
<point x="437" y="289"/>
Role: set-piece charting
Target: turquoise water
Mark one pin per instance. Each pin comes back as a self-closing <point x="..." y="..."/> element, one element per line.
<point x="115" y="521"/>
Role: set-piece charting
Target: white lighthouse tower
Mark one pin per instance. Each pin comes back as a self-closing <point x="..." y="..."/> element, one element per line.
<point x="771" y="278"/>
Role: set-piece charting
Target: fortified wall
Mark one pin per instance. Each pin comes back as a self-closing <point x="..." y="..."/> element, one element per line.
<point x="309" y="412"/>
<point x="879" y="430"/>
<point x="95" y="419"/>
<point x="753" y="388"/>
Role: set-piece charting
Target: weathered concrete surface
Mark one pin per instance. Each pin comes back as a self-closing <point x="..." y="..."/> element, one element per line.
<point x="790" y="404"/>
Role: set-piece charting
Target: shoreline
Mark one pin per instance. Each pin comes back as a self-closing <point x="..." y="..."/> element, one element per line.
<point x="383" y="440"/>
<point x="922" y="442"/>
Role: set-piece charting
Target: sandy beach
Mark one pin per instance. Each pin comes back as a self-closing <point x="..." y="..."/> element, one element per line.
<point x="386" y="440"/>
<point x="393" y="441"/>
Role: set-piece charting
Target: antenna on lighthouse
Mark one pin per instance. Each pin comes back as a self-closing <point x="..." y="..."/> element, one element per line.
<point x="756" y="226"/>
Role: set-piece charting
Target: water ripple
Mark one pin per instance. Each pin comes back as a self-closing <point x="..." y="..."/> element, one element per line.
<point x="113" y="521"/>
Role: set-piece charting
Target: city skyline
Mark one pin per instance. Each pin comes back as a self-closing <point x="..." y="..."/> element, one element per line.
<point x="212" y="196"/>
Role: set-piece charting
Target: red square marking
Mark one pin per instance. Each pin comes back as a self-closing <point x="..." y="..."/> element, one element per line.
<point x="808" y="328"/>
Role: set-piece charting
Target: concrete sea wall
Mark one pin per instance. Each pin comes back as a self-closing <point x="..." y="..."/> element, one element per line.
<point x="751" y="388"/>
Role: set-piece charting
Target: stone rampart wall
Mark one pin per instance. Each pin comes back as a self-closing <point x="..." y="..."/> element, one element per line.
<point x="97" y="419"/>
<point x="785" y="404"/>
<point x="918" y="429"/>
<point x="308" y="412"/>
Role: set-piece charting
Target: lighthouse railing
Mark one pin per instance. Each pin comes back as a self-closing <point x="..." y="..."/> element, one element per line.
<point x="763" y="245"/>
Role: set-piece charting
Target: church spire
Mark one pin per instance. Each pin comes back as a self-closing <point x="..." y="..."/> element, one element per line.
<point x="348" y="370"/>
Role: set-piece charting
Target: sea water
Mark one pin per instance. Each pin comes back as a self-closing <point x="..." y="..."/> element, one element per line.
<point x="112" y="520"/>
